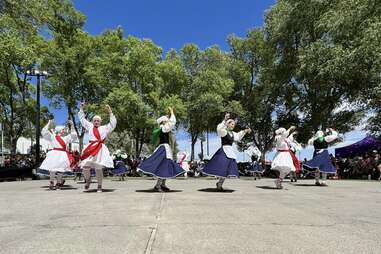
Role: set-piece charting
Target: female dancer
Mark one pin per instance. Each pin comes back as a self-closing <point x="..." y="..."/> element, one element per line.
<point x="160" y="164"/>
<point x="223" y="163"/>
<point x="283" y="161"/>
<point x="58" y="160"/>
<point x="321" y="161"/>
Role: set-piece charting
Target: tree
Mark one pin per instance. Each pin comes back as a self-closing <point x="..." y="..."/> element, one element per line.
<point x="21" y="45"/>
<point x="255" y="89"/>
<point x="206" y="90"/>
<point x="318" y="64"/>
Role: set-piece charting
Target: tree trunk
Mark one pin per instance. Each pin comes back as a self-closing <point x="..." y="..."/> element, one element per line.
<point x="137" y="143"/>
<point x="193" y="142"/>
<point x="142" y="141"/>
<point x="202" y="150"/>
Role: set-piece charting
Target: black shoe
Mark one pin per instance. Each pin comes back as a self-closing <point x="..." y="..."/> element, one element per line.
<point x="165" y="188"/>
<point x="51" y="186"/>
<point x="87" y="186"/>
<point x="219" y="187"/>
<point x="157" y="189"/>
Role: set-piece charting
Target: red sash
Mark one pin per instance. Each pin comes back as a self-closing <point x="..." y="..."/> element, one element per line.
<point x="94" y="147"/>
<point x="295" y="160"/>
<point x="182" y="160"/>
<point x="64" y="149"/>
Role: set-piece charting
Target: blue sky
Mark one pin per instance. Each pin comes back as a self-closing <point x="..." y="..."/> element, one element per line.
<point x="173" y="23"/>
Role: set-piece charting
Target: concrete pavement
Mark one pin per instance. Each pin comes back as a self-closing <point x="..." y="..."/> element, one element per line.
<point x="250" y="218"/>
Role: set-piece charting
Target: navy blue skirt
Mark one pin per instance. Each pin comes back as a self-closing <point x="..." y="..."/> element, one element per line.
<point x="160" y="166"/>
<point x="256" y="167"/>
<point x="322" y="161"/>
<point x="221" y="165"/>
<point x="120" y="168"/>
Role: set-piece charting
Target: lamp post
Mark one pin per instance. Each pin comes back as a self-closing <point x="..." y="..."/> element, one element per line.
<point x="2" y="144"/>
<point x="38" y="74"/>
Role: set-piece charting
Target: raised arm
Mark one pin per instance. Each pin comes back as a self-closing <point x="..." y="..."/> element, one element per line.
<point x="168" y="126"/>
<point x="171" y="123"/>
<point x="222" y="129"/>
<point x="82" y="118"/>
<point x="112" y="124"/>
<point x="238" y="136"/>
<point x="46" y="134"/>
<point x="72" y="135"/>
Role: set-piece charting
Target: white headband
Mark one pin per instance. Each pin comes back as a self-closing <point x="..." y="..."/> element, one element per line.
<point x="280" y="131"/>
<point x="97" y="117"/>
<point x="59" y="128"/>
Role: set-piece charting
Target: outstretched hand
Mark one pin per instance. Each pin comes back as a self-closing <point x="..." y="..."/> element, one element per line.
<point x="248" y="130"/>
<point x="170" y="110"/>
<point x="227" y="116"/>
<point x="108" y="108"/>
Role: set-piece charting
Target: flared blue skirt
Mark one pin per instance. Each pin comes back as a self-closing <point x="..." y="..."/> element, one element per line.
<point x="321" y="161"/>
<point x="160" y="166"/>
<point x="222" y="166"/>
<point x="120" y="168"/>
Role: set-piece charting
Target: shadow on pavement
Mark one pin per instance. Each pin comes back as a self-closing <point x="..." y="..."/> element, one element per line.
<point x="95" y="190"/>
<point x="268" y="188"/>
<point x="305" y="184"/>
<point x="215" y="190"/>
<point x="154" y="191"/>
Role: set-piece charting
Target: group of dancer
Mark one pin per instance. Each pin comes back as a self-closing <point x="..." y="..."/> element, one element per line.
<point x="161" y="165"/>
<point x="285" y="161"/>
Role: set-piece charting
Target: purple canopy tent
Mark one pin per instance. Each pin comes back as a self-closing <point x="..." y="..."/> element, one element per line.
<point x="365" y="145"/>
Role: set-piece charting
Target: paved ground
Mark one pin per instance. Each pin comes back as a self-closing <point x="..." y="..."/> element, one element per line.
<point x="342" y="218"/>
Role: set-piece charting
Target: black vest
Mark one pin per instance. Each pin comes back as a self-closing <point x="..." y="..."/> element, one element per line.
<point x="320" y="144"/>
<point x="164" y="137"/>
<point x="227" y="140"/>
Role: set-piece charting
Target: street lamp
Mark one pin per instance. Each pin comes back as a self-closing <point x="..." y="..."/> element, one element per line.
<point x="2" y="144"/>
<point x="38" y="74"/>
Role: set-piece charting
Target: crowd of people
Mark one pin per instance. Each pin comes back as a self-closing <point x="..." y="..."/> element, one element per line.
<point x="366" y="166"/>
<point x="21" y="160"/>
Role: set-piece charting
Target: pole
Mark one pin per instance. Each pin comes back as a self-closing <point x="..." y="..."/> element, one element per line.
<point x="207" y="143"/>
<point x="38" y="122"/>
<point x="2" y="144"/>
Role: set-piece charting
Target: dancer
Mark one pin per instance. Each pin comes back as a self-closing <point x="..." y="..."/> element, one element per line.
<point x="283" y="161"/>
<point x="58" y="160"/>
<point x="321" y="161"/>
<point x="294" y="148"/>
<point x="182" y="160"/>
<point x="96" y="154"/>
<point x="255" y="168"/>
<point x="120" y="168"/>
<point x="223" y="163"/>
<point x="160" y="164"/>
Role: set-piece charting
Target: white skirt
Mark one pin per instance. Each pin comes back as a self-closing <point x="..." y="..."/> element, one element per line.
<point x="101" y="160"/>
<point x="56" y="161"/>
<point x="283" y="163"/>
